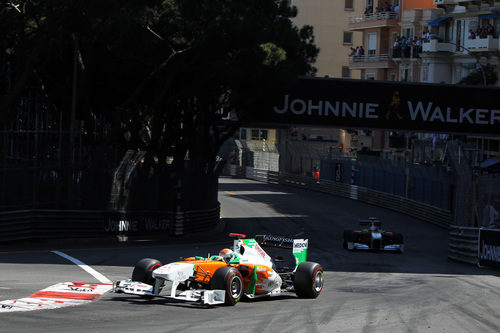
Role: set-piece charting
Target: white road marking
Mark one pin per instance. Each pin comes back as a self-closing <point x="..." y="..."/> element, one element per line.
<point x="101" y="278"/>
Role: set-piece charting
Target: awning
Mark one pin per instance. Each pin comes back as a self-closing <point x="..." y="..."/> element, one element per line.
<point x="438" y="20"/>
<point x="487" y="16"/>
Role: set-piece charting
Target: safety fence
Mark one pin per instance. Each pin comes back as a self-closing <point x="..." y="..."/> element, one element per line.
<point x="463" y="244"/>
<point x="420" y="210"/>
<point x="74" y="224"/>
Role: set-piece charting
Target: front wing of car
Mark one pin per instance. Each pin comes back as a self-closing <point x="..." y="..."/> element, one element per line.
<point x="210" y="297"/>
<point x="362" y="246"/>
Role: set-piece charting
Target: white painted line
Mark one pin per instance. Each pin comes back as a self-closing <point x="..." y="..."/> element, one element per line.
<point x="101" y="278"/>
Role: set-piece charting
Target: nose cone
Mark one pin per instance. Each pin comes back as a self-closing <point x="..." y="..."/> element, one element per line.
<point x="177" y="271"/>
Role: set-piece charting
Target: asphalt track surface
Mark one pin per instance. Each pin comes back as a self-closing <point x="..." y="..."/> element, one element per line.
<point x="417" y="291"/>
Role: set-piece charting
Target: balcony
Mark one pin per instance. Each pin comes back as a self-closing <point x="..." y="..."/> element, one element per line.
<point x="488" y="44"/>
<point x="371" y="61"/>
<point x="447" y="2"/>
<point x="435" y="45"/>
<point x="378" y="20"/>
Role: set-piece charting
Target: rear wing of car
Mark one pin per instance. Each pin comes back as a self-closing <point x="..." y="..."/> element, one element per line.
<point x="368" y="222"/>
<point x="298" y="246"/>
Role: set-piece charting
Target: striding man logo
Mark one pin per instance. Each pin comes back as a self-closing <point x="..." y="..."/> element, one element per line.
<point x="393" y="110"/>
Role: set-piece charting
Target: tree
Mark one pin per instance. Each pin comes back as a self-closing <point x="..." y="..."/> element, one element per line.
<point x="487" y="74"/>
<point x="160" y="73"/>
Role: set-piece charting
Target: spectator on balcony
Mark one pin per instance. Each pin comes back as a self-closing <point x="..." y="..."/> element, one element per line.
<point x="361" y="51"/>
<point x="369" y="10"/>
<point x="417" y="47"/>
<point x="426" y="36"/>
<point x="490" y="30"/>
<point x="472" y="34"/>
<point x="396" y="48"/>
<point x="481" y="32"/>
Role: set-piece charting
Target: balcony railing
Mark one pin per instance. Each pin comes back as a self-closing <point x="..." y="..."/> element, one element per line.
<point x="373" y="17"/>
<point x="490" y="43"/>
<point x="435" y="45"/>
<point x="370" y="58"/>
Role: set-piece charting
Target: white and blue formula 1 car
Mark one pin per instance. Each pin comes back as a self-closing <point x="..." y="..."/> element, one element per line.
<point x="370" y="236"/>
<point x="245" y="270"/>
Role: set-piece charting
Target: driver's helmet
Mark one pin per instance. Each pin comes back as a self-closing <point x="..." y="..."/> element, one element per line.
<point x="373" y="227"/>
<point x="226" y="254"/>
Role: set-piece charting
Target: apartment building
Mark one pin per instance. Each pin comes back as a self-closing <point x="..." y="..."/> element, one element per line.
<point x="332" y="34"/>
<point x="391" y="39"/>
<point x="335" y="41"/>
<point x="464" y="39"/>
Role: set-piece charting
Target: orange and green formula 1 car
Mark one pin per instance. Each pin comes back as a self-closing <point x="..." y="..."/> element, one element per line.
<point x="245" y="270"/>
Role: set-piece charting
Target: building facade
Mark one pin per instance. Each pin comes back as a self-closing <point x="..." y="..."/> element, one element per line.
<point x="464" y="39"/>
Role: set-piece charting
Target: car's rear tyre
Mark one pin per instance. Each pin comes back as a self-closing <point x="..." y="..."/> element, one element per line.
<point x="229" y="279"/>
<point x="309" y="279"/>
<point x="143" y="270"/>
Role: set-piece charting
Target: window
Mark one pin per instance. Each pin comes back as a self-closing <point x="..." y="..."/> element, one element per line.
<point x="346" y="72"/>
<point x="259" y="134"/>
<point x="370" y="76"/>
<point x="347" y="38"/>
<point x="425" y="74"/>
<point x="405" y="74"/>
<point x="408" y="32"/>
<point x="372" y="44"/>
<point x="349" y="5"/>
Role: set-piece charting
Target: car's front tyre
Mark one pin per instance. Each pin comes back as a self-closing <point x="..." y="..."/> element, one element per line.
<point x="143" y="270"/>
<point x="229" y="279"/>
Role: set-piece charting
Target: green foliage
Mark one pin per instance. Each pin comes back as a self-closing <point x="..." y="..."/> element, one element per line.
<point x="157" y="71"/>
<point x="478" y="76"/>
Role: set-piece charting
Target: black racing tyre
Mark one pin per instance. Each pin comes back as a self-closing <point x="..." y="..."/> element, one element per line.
<point x="229" y="279"/>
<point x="143" y="270"/>
<point x="347" y="237"/>
<point x="308" y="280"/>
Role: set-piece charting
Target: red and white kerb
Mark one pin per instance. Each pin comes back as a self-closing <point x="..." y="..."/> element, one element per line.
<point x="58" y="296"/>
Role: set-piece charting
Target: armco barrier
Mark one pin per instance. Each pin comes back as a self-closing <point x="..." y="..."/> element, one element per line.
<point x="195" y="221"/>
<point x="407" y="206"/>
<point x="463" y="244"/>
<point x="51" y="224"/>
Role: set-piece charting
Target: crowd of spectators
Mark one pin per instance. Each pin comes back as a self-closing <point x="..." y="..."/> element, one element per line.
<point x="408" y="47"/>
<point x="383" y="7"/>
<point x="357" y="52"/>
<point x="482" y="32"/>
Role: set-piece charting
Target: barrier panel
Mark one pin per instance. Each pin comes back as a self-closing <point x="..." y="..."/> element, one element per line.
<point x="462" y="245"/>
<point x="68" y="224"/>
<point x="431" y="214"/>
<point x="489" y="247"/>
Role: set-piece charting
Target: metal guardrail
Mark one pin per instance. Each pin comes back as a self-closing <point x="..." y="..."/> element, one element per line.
<point x="420" y="210"/>
<point x="463" y="244"/>
<point x="72" y="224"/>
<point x="190" y="222"/>
<point x="257" y="174"/>
<point x="407" y="206"/>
